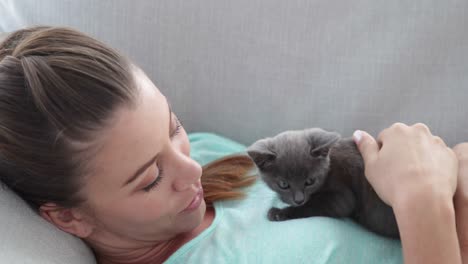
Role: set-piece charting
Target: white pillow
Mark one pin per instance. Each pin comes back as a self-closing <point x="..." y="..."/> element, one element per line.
<point x="27" y="238"/>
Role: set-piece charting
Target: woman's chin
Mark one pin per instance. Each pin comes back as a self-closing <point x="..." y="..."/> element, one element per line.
<point x="194" y="218"/>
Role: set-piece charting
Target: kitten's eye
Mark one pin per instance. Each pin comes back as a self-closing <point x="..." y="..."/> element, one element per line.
<point x="283" y="184"/>
<point x="310" y="181"/>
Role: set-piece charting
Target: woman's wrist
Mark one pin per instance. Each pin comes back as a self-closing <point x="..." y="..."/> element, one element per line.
<point x="420" y="203"/>
<point x="426" y="221"/>
<point x="422" y="195"/>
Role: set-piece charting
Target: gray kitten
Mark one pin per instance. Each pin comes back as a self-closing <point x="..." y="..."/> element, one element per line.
<point x="318" y="173"/>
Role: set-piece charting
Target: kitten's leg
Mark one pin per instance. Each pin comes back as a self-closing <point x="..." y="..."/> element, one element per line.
<point x="332" y="204"/>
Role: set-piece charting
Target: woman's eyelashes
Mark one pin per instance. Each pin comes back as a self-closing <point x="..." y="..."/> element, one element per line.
<point x="177" y="128"/>
<point x="156" y="181"/>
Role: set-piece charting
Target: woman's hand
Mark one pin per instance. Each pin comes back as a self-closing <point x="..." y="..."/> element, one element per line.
<point x="461" y="199"/>
<point x="410" y="161"/>
<point x="415" y="173"/>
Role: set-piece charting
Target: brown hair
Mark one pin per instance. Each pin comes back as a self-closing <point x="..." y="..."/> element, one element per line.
<point x="58" y="89"/>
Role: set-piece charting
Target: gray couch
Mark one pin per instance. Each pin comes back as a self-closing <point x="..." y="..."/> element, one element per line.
<point x="247" y="69"/>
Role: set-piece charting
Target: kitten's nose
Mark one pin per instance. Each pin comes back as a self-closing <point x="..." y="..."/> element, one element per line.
<point x="299" y="198"/>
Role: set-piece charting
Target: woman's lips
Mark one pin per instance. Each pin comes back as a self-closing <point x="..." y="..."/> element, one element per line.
<point x="196" y="201"/>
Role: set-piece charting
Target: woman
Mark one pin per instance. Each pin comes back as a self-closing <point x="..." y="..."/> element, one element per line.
<point x="91" y="144"/>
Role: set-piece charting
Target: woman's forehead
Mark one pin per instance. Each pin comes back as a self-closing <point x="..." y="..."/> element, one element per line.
<point x="136" y="133"/>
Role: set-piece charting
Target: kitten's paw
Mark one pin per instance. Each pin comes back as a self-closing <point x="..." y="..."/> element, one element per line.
<point x="276" y="214"/>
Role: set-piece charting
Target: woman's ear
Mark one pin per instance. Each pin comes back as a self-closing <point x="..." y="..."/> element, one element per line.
<point x="69" y="220"/>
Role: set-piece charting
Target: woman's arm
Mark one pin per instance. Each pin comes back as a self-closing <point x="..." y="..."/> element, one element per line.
<point x="462" y="228"/>
<point x="416" y="174"/>
<point x="461" y="199"/>
<point x="427" y="229"/>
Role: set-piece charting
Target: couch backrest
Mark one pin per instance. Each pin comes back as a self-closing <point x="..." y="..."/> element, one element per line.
<point x="252" y="68"/>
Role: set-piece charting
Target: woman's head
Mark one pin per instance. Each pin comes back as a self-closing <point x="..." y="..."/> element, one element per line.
<point x="57" y="88"/>
<point x="78" y="123"/>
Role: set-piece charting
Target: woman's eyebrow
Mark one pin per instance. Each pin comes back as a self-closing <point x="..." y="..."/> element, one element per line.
<point x="140" y="170"/>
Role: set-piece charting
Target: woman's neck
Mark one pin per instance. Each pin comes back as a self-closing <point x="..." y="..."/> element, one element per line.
<point x="156" y="253"/>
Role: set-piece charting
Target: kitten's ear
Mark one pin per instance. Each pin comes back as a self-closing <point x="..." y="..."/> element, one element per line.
<point x="261" y="153"/>
<point x="321" y="142"/>
<point x="320" y="152"/>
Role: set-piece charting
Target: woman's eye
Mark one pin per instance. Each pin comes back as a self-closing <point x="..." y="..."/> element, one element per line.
<point x="310" y="181"/>
<point x="154" y="183"/>
<point x="176" y="131"/>
<point x="177" y="128"/>
<point x="283" y="184"/>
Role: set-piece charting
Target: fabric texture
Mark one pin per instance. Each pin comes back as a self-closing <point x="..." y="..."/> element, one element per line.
<point x="241" y="233"/>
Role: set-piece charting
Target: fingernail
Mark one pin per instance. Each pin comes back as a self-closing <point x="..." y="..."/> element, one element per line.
<point x="357" y="135"/>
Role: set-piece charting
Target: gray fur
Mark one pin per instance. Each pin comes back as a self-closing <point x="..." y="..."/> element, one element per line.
<point x="321" y="174"/>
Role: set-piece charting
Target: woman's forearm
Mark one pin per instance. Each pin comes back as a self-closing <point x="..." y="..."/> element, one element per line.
<point x="427" y="229"/>
<point x="461" y="213"/>
<point x="461" y="199"/>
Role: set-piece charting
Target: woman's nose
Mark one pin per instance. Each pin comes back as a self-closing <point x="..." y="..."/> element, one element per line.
<point x="187" y="173"/>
